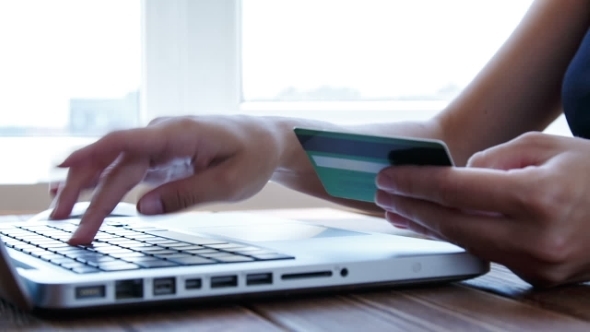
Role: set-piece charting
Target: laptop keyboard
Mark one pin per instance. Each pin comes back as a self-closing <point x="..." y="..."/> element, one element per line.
<point x="119" y="247"/>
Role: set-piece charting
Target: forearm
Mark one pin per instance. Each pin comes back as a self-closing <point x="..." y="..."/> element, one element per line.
<point x="519" y="89"/>
<point x="295" y="170"/>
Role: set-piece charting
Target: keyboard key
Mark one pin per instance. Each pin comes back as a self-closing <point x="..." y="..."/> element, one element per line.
<point x="163" y="252"/>
<point x="118" y="266"/>
<point x="192" y="260"/>
<point x="85" y="269"/>
<point x="49" y="257"/>
<point x="156" y="264"/>
<point x="113" y="250"/>
<point x="139" y="259"/>
<point x="176" y="255"/>
<point x="149" y="250"/>
<point x="233" y="259"/>
<point x="226" y="246"/>
<point x="55" y="245"/>
<point x="72" y="265"/>
<point x="183" y="237"/>
<point x="62" y="260"/>
<point x="246" y="250"/>
<point x="124" y="255"/>
<point x="202" y="251"/>
<point x="158" y="240"/>
<point x="271" y="256"/>
<point x="143" y="237"/>
<point x="179" y="245"/>
<point x="98" y="261"/>
<point x="216" y="254"/>
<point x="192" y="247"/>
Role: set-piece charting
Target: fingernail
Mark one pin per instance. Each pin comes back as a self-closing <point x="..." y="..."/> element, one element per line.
<point x="151" y="205"/>
<point x="76" y="240"/>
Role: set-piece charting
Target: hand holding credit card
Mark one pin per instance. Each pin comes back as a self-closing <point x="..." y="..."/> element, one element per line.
<point x="348" y="163"/>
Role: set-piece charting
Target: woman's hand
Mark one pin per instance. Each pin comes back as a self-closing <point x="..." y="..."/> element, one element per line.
<point x="524" y="204"/>
<point x="198" y="160"/>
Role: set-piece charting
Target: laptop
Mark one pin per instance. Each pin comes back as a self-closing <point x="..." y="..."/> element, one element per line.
<point x="138" y="260"/>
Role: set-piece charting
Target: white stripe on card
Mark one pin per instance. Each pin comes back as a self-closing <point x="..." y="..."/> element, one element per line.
<point x="349" y="164"/>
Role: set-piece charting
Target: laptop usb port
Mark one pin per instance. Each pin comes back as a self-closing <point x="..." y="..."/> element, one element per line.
<point x="90" y="292"/>
<point x="224" y="281"/>
<point x="192" y="283"/>
<point x="259" y="279"/>
<point x="164" y="286"/>
<point x="129" y="289"/>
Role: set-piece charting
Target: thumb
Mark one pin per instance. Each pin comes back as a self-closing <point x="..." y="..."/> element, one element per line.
<point x="215" y="184"/>
<point x="531" y="149"/>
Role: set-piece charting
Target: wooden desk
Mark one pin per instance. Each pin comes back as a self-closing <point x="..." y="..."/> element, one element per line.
<point x="498" y="301"/>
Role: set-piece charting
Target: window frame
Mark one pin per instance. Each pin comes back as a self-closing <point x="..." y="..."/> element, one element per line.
<point x="187" y="71"/>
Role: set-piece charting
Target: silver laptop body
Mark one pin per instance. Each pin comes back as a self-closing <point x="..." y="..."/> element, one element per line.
<point x="139" y="260"/>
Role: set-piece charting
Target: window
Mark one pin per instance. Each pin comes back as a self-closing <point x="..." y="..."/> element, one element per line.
<point x="74" y="69"/>
<point x="372" y="50"/>
<point x="70" y="73"/>
<point x="384" y="55"/>
<point x="392" y="60"/>
<point x="69" y="67"/>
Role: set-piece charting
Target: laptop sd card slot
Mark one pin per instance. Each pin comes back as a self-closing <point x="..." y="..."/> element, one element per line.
<point x="306" y="275"/>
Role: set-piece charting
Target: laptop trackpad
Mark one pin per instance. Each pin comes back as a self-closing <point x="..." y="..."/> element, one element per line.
<point x="279" y="232"/>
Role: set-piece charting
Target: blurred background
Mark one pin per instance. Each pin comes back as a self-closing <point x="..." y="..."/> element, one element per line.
<point x="73" y="70"/>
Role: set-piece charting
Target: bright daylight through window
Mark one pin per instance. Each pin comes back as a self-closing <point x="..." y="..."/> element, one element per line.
<point x="72" y="68"/>
<point x="69" y="67"/>
<point x="372" y="50"/>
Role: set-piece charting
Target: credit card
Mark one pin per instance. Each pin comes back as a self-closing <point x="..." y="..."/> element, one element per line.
<point x="347" y="164"/>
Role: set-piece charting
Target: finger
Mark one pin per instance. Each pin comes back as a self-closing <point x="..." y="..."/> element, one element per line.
<point x="149" y="141"/>
<point x="219" y="183"/>
<point x="54" y="187"/>
<point x="464" y="188"/>
<point x="527" y="150"/>
<point x="159" y="120"/>
<point x="78" y="179"/>
<point x="404" y="223"/>
<point x="104" y="151"/>
<point x="110" y="191"/>
<point x="487" y="237"/>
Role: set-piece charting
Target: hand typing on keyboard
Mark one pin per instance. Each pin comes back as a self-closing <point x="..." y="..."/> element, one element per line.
<point x="230" y="159"/>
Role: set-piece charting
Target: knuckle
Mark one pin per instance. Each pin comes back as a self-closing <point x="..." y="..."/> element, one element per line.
<point x="158" y="120"/>
<point x="184" y="123"/>
<point x="552" y="248"/>
<point x="544" y="200"/>
<point x="532" y="137"/>
<point x="478" y="159"/>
